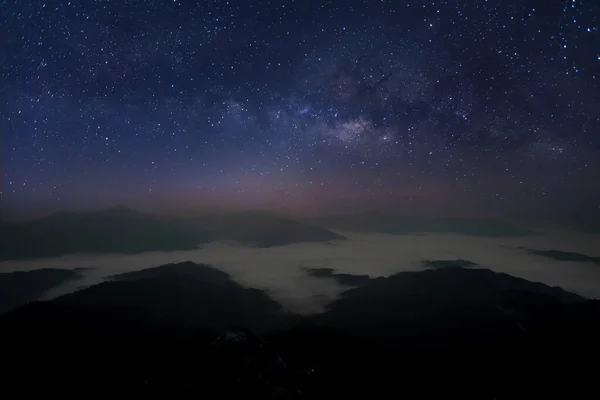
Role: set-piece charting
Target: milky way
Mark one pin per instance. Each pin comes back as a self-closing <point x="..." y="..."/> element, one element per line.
<point x="302" y="106"/>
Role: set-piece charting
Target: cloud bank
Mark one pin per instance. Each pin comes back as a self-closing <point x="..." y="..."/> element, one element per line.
<point x="282" y="271"/>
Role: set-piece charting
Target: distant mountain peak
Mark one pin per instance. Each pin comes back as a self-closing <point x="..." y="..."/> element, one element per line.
<point x="120" y="209"/>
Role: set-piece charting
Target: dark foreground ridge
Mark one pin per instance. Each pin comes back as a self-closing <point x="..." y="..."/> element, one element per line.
<point x="452" y="331"/>
<point x="195" y="296"/>
<point x="21" y="287"/>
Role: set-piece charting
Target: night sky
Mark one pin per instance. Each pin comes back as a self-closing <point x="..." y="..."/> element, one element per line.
<point x="300" y="106"/>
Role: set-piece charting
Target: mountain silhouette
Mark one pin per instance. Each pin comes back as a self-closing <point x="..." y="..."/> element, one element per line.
<point x="446" y="331"/>
<point x="184" y="294"/>
<point x="122" y="230"/>
<point x="21" y="287"/>
<point x="472" y="333"/>
<point x="399" y="225"/>
<point x="188" y="270"/>
<point x="116" y="230"/>
<point x="559" y="255"/>
<point x="143" y="324"/>
<point x="262" y="229"/>
<point x="444" y="304"/>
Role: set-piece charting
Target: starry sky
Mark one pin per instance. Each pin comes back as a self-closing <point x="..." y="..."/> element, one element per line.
<point x="300" y="106"/>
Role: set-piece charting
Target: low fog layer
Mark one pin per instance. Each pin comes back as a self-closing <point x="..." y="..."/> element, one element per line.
<point x="282" y="271"/>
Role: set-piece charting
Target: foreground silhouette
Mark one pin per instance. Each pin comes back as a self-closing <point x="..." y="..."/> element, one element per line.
<point x="447" y="331"/>
<point x="21" y="287"/>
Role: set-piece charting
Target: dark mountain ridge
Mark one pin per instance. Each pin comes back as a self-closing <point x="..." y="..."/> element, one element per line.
<point x="401" y="225"/>
<point x="451" y="303"/>
<point x="21" y="287"/>
<point x="472" y="332"/>
<point x="262" y="229"/>
<point x="117" y="230"/>
<point x="122" y="230"/>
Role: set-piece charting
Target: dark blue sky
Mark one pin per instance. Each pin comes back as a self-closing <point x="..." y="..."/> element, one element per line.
<point x="300" y="106"/>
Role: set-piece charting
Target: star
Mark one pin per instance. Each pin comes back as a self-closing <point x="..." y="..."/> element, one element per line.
<point x="151" y="104"/>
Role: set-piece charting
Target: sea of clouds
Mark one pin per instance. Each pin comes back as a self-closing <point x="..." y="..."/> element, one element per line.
<point x="279" y="270"/>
